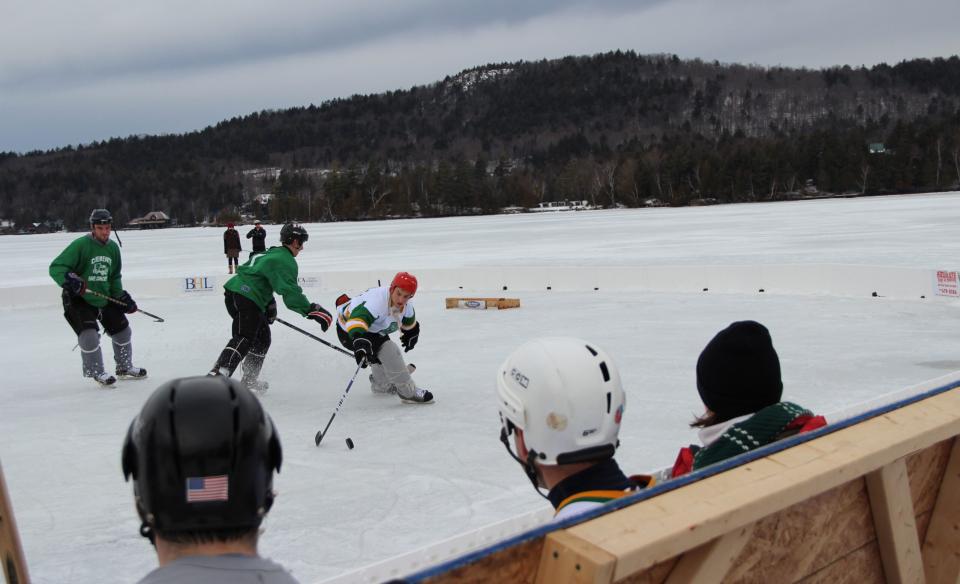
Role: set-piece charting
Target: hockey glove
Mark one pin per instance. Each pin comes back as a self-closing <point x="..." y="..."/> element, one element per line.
<point x="126" y="299"/>
<point x="321" y="315"/>
<point x="363" y="352"/>
<point x="272" y="311"/>
<point x="409" y="337"/>
<point x="74" y="284"/>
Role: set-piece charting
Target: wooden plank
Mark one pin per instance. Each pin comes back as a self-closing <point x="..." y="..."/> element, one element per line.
<point x="656" y="530"/>
<point x="498" y="303"/>
<point x="709" y="563"/>
<point x="941" y="548"/>
<point x="567" y="558"/>
<point x="895" y="522"/>
<point x="11" y="550"/>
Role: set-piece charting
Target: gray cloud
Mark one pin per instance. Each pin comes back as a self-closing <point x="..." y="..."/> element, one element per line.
<point x="89" y="70"/>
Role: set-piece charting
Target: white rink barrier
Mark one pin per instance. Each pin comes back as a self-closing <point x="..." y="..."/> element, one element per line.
<point x="803" y="279"/>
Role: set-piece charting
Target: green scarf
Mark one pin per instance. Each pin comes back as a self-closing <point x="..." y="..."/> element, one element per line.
<point x="762" y="428"/>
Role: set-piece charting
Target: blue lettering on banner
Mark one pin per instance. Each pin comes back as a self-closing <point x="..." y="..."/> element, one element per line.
<point x="199" y="284"/>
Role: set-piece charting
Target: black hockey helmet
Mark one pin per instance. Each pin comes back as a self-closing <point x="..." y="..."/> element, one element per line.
<point x="202" y="453"/>
<point x="293" y="231"/>
<point x="100" y="217"/>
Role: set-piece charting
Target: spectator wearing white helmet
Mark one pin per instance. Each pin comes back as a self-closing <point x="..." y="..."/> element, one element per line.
<point x="562" y="400"/>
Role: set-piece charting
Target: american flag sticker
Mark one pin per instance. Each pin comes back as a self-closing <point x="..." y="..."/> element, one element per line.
<point x="207" y="489"/>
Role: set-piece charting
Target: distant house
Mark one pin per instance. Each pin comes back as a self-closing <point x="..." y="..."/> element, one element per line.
<point x="152" y="220"/>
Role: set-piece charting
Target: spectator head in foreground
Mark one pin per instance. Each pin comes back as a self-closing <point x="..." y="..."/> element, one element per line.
<point x="561" y="400"/>
<point x="202" y="453"/>
<point x="739" y="382"/>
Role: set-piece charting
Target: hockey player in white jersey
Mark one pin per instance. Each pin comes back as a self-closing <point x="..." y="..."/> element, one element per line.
<point x="364" y="324"/>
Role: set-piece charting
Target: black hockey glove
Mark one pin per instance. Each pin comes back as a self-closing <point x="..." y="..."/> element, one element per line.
<point x="409" y="337"/>
<point x="74" y="284"/>
<point x="126" y="299"/>
<point x="363" y="352"/>
<point x="272" y="311"/>
<point x="321" y="315"/>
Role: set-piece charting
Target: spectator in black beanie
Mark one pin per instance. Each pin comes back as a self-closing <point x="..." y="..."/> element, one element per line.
<point x="738" y="378"/>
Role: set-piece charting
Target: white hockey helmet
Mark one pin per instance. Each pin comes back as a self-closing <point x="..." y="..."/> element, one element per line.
<point x="566" y="396"/>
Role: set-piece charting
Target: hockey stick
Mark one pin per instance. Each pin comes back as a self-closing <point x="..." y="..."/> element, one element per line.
<point x="322" y="433"/>
<point x="124" y="304"/>
<point x="316" y="338"/>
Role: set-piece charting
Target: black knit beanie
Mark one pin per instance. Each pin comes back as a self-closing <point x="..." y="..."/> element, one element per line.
<point x="738" y="372"/>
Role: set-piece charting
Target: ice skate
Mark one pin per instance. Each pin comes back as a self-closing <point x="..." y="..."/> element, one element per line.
<point x="219" y="371"/>
<point x="131" y="373"/>
<point x="419" y="396"/>
<point x="257" y="386"/>
<point x="104" y="378"/>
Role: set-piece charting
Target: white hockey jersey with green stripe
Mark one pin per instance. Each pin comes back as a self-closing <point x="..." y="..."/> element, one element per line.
<point x="370" y="312"/>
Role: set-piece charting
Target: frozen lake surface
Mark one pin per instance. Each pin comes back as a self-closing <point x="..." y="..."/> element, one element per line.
<point x="420" y="474"/>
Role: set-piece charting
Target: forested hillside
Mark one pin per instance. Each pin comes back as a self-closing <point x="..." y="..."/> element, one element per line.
<point x="616" y="129"/>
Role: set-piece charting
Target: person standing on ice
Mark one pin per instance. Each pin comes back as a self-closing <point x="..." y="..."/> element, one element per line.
<point x="248" y="297"/>
<point x="202" y="453"/>
<point x="259" y="236"/>
<point x="231" y="247"/>
<point x="364" y="324"/>
<point x="88" y="270"/>
<point x="562" y="400"/>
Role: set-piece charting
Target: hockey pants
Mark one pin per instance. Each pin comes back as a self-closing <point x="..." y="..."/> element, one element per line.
<point x="251" y="337"/>
<point x="83" y="319"/>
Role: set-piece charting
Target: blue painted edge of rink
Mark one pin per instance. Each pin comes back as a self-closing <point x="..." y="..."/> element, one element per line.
<point x="674" y="483"/>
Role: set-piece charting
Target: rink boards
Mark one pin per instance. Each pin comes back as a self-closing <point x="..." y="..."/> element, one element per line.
<point x="805" y="279"/>
<point x="872" y="498"/>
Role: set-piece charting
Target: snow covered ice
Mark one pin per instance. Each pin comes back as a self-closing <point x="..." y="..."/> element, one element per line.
<point x="422" y="474"/>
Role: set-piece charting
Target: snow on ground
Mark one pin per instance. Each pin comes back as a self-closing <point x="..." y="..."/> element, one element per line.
<point x="420" y="474"/>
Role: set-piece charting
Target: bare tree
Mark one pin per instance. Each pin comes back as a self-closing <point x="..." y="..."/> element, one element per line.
<point x="654" y="158"/>
<point x="939" y="158"/>
<point x="864" y="174"/>
<point x="956" y="162"/>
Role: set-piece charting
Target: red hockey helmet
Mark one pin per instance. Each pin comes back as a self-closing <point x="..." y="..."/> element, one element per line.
<point x="405" y="280"/>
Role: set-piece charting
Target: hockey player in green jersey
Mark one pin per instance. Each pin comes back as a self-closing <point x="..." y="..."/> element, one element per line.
<point x="363" y="326"/>
<point x="92" y="264"/>
<point x="249" y="300"/>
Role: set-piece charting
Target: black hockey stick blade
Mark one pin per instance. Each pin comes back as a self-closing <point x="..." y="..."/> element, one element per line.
<point x="153" y="316"/>
<point x="318" y="437"/>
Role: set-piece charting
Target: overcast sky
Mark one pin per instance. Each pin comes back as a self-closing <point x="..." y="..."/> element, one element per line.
<point x="76" y="71"/>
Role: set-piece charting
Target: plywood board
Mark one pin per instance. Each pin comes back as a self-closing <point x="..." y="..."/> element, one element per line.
<point x="941" y="547"/>
<point x="806" y="537"/>
<point x="863" y="566"/>
<point x="514" y="564"/>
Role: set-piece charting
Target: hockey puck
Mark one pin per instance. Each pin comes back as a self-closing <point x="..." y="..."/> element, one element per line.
<point x="350" y="444"/>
